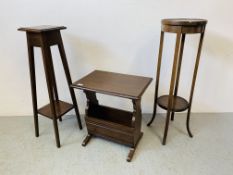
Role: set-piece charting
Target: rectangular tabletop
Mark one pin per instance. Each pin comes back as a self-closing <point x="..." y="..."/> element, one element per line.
<point x="122" y="85"/>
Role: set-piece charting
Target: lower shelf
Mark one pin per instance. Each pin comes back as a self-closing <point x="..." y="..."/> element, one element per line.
<point x="112" y="124"/>
<point x="110" y="131"/>
<point x="61" y="108"/>
<point x="179" y="103"/>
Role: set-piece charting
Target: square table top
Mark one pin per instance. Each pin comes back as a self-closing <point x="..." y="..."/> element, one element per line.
<point x="116" y="84"/>
<point x="42" y="28"/>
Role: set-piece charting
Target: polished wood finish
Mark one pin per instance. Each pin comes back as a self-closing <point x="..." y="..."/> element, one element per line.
<point x="194" y="81"/>
<point x="172" y="102"/>
<point x="157" y="77"/>
<point x="184" y="22"/>
<point x="44" y="37"/>
<point x="179" y="104"/>
<point x="42" y="28"/>
<point x="114" y="84"/>
<point x="183" y="103"/>
<point x="113" y="124"/>
<point x="61" y="108"/>
<point x="183" y="25"/>
<point x="86" y="140"/>
<point x="133" y="149"/>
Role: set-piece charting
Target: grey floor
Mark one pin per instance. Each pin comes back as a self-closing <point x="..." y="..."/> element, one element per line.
<point x="210" y="152"/>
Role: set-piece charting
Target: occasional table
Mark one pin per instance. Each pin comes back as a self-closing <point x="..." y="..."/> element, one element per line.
<point x="110" y="123"/>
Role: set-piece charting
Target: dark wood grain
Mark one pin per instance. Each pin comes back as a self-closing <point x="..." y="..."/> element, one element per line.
<point x="173" y="103"/>
<point x="183" y="25"/>
<point x="157" y="77"/>
<point x="41" y="28"/>
<point x="179" y="104"/>
<point x="110" y="123"/>
<point x="133" y="149"/>
<point x="122" y="85"/>
<point x="45" y="37"/>
<point x="61" y="108"/>
<point x="111" y="114"/>
<point x="184" y="21"/>
<point x="86" y="140"/>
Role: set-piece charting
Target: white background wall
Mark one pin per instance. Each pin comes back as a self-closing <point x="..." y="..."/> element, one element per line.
<point x="121" y="36"/>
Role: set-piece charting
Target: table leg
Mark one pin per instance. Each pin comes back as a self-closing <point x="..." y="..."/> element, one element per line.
<point x="133" y="149"/>
<point x="137" y="113"/>
<point x="46" y="52"/>
<point x="54" y="81"/>
<point x="33" y="87"/>
<point x="172" y="85"/>
<point x="69" y="81"/>
<point x="157" y="78"/>
<point x="193" y="83"/>
<point x="178" y="70"/>
<point x="91" y="97"/>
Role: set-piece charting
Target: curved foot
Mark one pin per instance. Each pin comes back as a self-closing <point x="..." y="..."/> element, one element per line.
<point x="151" y="121"/>
<point x="189" y="132"/>
<point x="153" y="115"/>
<point x="187" y="125"/>
<point x="130" y="155"/>
<point x="86" y="140"/>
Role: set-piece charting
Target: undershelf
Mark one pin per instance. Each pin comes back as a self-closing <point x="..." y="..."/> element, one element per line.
<point x="61" y="108"/>
<point x="179" y="103"/>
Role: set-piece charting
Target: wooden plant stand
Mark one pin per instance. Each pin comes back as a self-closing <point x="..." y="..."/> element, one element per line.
<point x="45" y="37"/>
<point x="172" y="102"/>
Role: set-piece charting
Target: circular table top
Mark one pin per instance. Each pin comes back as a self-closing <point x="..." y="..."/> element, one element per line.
<point x="184" y="21"/>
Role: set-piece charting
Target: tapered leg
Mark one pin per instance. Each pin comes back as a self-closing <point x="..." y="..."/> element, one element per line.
<point x="172" y="116"/>
<point x="179" y="68"/>
<point x="187" y="122"/>
<point x="47" y="61"/>
<point x="68" y="78"/>
<point x="166" y="127"/>
<point x="172" y="84"/>
<point x="54" y="84"/>
<point x="33" y="88"/>
<point x="157" y="78"/>
<point x="193" y="83"/>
